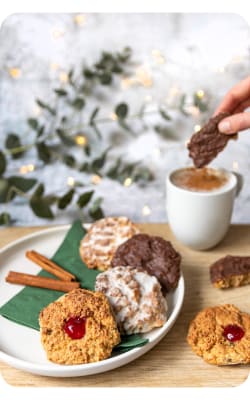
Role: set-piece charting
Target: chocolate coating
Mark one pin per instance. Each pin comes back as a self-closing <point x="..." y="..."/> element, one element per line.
<point x="153" y="254"/>
<point x="208" y="142"/>
<point x="229" y="266"/>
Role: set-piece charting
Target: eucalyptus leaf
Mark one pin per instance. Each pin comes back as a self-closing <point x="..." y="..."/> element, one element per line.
<point x="69" y="160"/>
<point x="13" y="143"/>
<point x="66" y="199"/>
<point x="33" y="123"/>
<point x="164" y="114"/>
<point x="84" y="199"/>
<point x="97" y="131"/>
<point x="61" y="92"/>
<point x="47" y="107"/>
<point x="121" y="110"/>
<point x="3" y="163"/>
<point x="87" y="149"/>
<point x="66" y="139"/>
<point x="78" y="103"/>
<point x="182" y="105"/>
<point x="39" y="191"/>
<point x="5" y="218"/>
<point x="41" y="207"/>
<point x="105" y="78"/>
<point x="165" y="132"/>
<point x="85" y="167"/>
<point x="113" y="171"/>
<point x="93" y="115"/>
<point x="99" y="162"/>
<point x="40" y="131"/>
<point x="88" y="73"/>
<point x="43" y="152"/>
<point x="198" y="102"/>
<point x="125" y="55"/>
<point x="23" y="184"/>
<point x="4" y="190"/>
<point x="95" y="210"/>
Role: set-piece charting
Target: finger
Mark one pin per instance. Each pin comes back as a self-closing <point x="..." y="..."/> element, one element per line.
<point x="236" y="95"/>
<point x="235" y="123"/>
<point x="242" y="106"/>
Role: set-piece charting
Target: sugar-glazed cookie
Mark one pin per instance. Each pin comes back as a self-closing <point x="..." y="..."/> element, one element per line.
<point x="135" y="297"/>
<point x="221" y="335"/>
<point x="104" y="236"/>
<point x="78" y="328"/>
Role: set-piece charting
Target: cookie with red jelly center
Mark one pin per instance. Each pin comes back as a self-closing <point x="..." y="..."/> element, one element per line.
<point x="78" y="328"/>
<point x="221" y="335"/>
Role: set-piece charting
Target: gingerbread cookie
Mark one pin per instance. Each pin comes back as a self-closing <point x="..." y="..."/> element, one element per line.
<point x="135" y="297"/>
<point x="104" y="236"/>
<point x="221" y="335"/>
<point x="153" y="254"/>
<point x="208" y="142"/>
<point x="78" y="328"/>
<point x="230" y="271"/>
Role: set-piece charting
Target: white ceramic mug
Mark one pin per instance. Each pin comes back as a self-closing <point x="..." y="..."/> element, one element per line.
<point x="200" y="220"/>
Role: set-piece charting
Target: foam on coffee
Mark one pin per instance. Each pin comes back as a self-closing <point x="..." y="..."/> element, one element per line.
<point x="200" y="179"/>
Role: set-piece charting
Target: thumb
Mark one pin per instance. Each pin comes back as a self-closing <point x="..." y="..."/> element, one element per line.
<point x="235" y="123"/>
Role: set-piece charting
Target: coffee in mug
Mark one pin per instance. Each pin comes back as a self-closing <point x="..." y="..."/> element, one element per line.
<point x="199" y="205"/>
<point x="200" y="180"/>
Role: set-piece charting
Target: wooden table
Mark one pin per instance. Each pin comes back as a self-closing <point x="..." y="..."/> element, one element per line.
<point x="171" y="363"/>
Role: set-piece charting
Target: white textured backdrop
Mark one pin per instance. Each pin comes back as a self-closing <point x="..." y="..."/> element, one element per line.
<point x="208" y="52"/>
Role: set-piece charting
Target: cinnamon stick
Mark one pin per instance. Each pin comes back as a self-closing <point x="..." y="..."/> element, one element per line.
<point x="49" y="266"/>
<point x="39" y="281"/>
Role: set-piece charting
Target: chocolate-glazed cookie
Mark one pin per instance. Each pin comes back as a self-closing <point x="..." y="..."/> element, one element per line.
<point x="208" y="142"/>
<point x="153" y="254"/>
<point x="230" y="271"/>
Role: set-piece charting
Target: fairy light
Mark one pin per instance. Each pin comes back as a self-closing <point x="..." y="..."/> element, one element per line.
<point x="126" y="82"/>
<point x="57" y="33"/>
<point x="71" y="181"/>
<point x="197" y="128"/>
<point x="15" y="72"/>
<point x="127" y="182"/>
<point x="37" y="111"/>
<point x="235" y="166"/>
<point x="96" y="179"/>
<point x="193" y="110"/>
<point x="146" y="210"/>
<point x="54" y="66"/>
<point x="79" y="19"/>
<point x="24" y="169"/>
<point x="221" y="70"/>
<point x="143" y="77"/>
<point x="81" y="140"/>
<point x="148" y="98"/>
<point x="200" y="94"/>
<point x="63" y="77"/>
<point x="113" y="116"/>
<point x="158" y="56"/>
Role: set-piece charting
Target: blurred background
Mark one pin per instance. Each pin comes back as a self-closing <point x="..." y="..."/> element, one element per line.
<point x="96" y="109"/>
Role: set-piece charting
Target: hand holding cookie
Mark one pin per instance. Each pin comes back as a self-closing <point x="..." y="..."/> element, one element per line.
<point x="236" y="101"/>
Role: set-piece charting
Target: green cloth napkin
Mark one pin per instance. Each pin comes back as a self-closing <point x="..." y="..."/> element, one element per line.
<point x="24" y="308"/>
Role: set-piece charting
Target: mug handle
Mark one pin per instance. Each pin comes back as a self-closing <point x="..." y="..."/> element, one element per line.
<point x="240" y="182"/>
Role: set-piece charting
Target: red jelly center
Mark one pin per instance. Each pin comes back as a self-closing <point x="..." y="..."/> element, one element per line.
<point x="233" y="333"/>
<point x="75" y="327"/>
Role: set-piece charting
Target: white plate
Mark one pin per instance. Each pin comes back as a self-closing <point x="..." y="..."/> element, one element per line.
<point x="20" y="346"/>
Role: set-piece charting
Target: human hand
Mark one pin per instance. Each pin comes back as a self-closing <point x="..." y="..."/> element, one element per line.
<point x="236" y="101"/>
